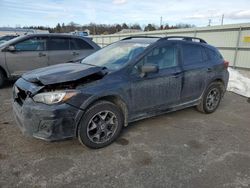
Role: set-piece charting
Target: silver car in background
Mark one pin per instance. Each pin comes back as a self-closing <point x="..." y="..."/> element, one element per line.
<point x="6" y="38"/>
<point x="33" y="51"/>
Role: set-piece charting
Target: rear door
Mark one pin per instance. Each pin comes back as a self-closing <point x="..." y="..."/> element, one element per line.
<point x="194" y="63"/>
<point x="80" y="48"/>
<point x="59" y="50"/>
<point x="30" y="54"/>
<point x="157" y="91"/>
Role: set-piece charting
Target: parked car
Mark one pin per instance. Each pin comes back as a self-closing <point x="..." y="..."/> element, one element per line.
<point x="33" y="51"/>
<point x="80" y="33"/>
<point x="135" y="78"/>
<point x="7" y="38"/>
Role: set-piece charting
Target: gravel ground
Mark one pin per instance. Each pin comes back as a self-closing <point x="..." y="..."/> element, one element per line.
<point x="180" y="149"/>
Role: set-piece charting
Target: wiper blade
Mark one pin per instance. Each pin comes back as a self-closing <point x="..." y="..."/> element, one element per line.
<point x="90" y="64"/>
<point x="94" y="65"/>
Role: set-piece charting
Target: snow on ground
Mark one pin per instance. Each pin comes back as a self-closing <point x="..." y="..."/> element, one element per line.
<point x="238" y="83"/>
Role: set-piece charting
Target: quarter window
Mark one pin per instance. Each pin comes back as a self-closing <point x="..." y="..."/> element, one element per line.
<point x="79" y="44"/>
<point x="213" y="55"/>
<point x="32" y="44"/>
<point x="59" y="44"/>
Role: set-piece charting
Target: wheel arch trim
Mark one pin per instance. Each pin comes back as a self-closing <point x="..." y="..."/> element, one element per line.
<point x="114" y="98"/>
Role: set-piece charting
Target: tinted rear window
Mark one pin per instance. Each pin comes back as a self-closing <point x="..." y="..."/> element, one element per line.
<point x="213" y="55"/>
<point x="192" y="54"/>
<point x="79" y="44"/>
<point x="59" y="44"/>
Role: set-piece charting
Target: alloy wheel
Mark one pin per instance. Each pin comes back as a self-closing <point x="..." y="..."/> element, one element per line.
<point x="213" y="99"/>
<point x="102" y="126"/>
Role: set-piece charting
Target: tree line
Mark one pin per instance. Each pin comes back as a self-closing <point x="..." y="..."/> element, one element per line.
<point x="100" y="29"/>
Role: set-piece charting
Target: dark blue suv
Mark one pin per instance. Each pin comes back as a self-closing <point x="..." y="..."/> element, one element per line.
<point x="132" y="79"/>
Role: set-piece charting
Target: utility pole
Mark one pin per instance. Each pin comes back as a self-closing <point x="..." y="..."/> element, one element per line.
<point x="209" y="22"/>
<point x="160" y="22"/>
<point x="222" y="19"/>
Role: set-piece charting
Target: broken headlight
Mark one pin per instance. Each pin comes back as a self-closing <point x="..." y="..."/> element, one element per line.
<point x="53" y="97"/>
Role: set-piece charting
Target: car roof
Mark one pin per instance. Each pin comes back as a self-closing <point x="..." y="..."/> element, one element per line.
<point x="151" y="39"/>
<point x="56" y="35"/>
<point x="145" y="40"/>
<point x="177" y="39"/>
<point x="22" y="37"/>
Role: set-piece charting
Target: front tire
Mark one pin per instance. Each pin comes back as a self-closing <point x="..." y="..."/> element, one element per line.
<point x="211" y="98"/>
<point x="100" y="125"/>
<point x="2" y="79"/>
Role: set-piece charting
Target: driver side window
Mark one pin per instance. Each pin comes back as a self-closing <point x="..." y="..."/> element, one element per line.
<point x="163" y="57"/>
<point x="32" y="44"/>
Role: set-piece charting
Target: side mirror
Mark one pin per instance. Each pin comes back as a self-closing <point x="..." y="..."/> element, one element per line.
<point x="148" y="68"/>
<point x="11" y="49"/>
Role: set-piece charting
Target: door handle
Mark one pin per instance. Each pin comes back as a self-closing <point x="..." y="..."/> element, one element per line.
<point x="209" y="69"/>
<point x="75" y="53"/>
<point x="41" y="54"/>
<point x="176" y="75"/>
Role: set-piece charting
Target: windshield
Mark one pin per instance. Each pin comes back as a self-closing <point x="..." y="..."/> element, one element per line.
<point x="115" y="56"/>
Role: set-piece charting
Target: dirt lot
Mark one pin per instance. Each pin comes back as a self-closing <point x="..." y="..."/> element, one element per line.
<point x="181" y="149"/>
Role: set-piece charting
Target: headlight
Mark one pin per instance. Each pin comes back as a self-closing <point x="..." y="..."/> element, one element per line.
<point x="53" y="97"/>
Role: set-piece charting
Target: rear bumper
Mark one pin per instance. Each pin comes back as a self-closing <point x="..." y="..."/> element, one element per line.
<point x="46" y="122"/>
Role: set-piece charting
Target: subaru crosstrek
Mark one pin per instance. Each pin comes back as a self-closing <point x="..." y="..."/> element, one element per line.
<point x="132" y="79"/>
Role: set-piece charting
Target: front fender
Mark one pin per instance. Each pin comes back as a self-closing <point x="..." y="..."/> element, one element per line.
<point x="92" y="99"/>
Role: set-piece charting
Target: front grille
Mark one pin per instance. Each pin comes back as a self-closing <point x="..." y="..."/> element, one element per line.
<point x="19" y="95"/>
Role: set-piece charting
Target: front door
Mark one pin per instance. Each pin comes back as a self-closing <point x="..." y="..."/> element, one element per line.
<point x="29" y="54"/>
<point x="156" y="91"/>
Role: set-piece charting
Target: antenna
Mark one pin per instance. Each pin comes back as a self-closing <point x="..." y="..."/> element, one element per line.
<point x="160" y="22"/>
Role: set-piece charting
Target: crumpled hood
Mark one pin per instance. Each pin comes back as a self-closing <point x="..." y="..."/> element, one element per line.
<point x="62" y="73"/>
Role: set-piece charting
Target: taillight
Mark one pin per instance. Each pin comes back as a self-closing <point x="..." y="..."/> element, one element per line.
<point x="226" y="64"/>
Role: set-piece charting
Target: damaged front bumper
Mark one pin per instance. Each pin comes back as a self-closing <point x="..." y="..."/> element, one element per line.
<point x="50" y="123"/>
<point x="47" y="122"/>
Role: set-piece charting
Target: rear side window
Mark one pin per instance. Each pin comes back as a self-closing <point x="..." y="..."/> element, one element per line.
<point x="213" y="55"/>
<point x="59" y="44"/>
<point x="79" y="44"/>
<point x="192" y="54"/>
<point x="32" y="44"/>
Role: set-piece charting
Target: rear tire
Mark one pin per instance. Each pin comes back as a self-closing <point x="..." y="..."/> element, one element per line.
<point x="2" y="79"/>
<point x="100" y="125"/>
<point x="211" y="98"/>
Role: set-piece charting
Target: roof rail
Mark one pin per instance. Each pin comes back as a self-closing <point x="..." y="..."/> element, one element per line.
<point x="139" y="36"/>
<point x="193" y="39"/>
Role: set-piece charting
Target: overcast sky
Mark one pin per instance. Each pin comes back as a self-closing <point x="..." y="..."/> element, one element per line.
<point x="51" y="12"/>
